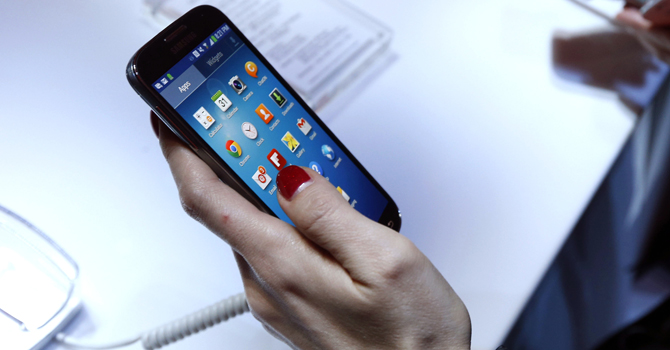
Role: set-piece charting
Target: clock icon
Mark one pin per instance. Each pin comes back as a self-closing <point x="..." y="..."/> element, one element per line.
<point x="249" y="130"/>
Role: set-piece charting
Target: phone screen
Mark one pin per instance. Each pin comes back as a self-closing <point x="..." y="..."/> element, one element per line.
<point x="255" y="125"/>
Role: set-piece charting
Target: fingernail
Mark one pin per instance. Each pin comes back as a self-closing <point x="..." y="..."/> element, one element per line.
<point x="154" y="123"/>
<point x="292" y="180"/>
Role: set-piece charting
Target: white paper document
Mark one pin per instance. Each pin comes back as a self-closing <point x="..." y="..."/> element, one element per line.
<point x="319" y="46"/>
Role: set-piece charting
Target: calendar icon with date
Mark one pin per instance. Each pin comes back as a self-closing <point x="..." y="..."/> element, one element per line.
<point x="221" y="101"/>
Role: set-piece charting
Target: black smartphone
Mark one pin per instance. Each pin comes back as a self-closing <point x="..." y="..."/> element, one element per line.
<point x="212" y="88"/>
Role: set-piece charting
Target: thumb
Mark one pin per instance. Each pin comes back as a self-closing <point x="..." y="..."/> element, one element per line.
<point x="321" y="214"/>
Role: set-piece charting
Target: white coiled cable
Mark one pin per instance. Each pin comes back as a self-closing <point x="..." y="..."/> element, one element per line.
<point x="177" y="330"/>
<point x="195" y="322"/>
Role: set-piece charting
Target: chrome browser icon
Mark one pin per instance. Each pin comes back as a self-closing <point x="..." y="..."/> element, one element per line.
<point x="233" y="148"/>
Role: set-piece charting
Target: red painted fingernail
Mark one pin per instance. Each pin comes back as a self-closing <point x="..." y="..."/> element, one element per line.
<point x="292" y="180"/>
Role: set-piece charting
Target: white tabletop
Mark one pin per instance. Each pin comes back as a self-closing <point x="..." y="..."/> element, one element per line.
<point x="489" y="155"/>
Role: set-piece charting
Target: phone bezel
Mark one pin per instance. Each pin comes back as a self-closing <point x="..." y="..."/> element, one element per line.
<point x="155" y="58"/>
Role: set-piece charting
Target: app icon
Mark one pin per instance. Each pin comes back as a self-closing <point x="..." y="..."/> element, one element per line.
<point x="233" y="148"/>
<point x="264" y="113"/>
<point x="249" y="130"/>
<point x="237" y="84"/>
<point x="290" y="142"/>
<point x="261" y="177"/>
<point x="158" y="85"/>
<point x="279" y="99"/>
<point x="164" y="81"/>
<point x="221" y="101"/>
<point x="204" y="118"/>
<point x="328" y="152"/>
<point x="276" y="159"/>
<point x="344" y="194"/>
<point x="252" y="69"/>
<point x="304" y="126"/>
<point x="196" y="53"/>
<point x="170" y="76"/>
<point x="316" y="167"/>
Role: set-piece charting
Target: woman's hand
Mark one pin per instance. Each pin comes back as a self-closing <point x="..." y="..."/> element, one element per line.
<point x="651" y="31"/>
<point x="336" y="280"/>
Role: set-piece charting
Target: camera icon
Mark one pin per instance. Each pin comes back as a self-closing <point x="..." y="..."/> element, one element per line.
<point x="237" y="84"/>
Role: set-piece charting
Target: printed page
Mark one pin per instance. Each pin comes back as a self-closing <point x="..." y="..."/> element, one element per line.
<point x="319" y="46"/>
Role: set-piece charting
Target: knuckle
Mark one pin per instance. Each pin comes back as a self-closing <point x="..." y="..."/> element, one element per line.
<point x="199" y="203"/>
<point x="399" y="263"/>
<point x="392" y="276"/>
<point x="192" y="194"/>
<point x="284" y="280"/>
<point x="192" y="200"/>
<point x="320" y="214"/>
<point x="261" y="309"/>
<point x="289" y="286"/>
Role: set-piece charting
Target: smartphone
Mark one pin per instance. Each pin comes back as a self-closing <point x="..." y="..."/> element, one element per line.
<point x="213" y="89"/>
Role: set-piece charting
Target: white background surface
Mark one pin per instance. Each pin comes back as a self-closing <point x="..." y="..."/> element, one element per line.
<point x="490" y="157"/>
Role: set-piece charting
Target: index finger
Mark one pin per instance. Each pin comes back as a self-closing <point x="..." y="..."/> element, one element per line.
<point x="217" y="206"/>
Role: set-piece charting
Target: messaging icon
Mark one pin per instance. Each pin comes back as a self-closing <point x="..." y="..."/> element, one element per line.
<point x="252" y="69"/>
